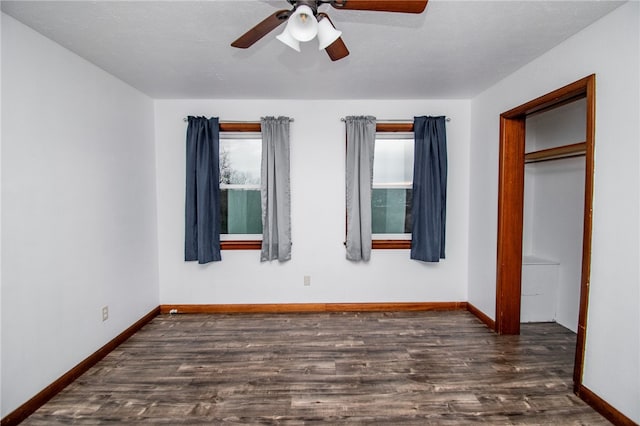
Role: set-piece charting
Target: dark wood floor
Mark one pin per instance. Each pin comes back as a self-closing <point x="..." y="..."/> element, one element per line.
<point x="440" y="368"/>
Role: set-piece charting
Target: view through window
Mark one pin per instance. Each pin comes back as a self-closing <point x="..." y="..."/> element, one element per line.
<point x="241" y="212"/>
<point x="392" y="186"/>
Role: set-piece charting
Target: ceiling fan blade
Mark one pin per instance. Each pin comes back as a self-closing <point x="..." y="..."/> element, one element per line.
<point x="262" y="29"/>
<point x="337" y="50"/>
<point x="405" y="6"/>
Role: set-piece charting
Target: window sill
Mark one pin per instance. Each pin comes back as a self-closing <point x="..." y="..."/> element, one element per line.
<point x="391" y="244"/>
<point x="241" y="245"/>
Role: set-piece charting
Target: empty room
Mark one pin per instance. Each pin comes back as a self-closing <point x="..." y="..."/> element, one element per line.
<point x="330" y="212"/>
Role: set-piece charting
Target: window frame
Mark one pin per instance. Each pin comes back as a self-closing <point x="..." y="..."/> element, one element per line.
<point x="391" y="243"/>
<point x="240" y="244"/>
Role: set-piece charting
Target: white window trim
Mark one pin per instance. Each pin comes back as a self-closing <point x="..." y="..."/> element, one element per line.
<point x="393" y="185"/>
<point x="240" y="135"/>
<point x="240" y="186"/>
<point x="406" y="236"/>
<point x="240" y="237"/>
<point x="394" y="135"/>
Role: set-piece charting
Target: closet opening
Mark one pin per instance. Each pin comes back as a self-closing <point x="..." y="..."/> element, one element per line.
<point x="553" y="213"/>
<point x="544" y="212"/>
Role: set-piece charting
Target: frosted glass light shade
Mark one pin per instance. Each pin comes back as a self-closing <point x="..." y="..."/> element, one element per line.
<point x="327" y="34"/>
<point x="302" y="24"/>
<point x="287" y="39"/>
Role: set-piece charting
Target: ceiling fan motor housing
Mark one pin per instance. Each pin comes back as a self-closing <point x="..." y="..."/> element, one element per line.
<point x="311" y="4"/>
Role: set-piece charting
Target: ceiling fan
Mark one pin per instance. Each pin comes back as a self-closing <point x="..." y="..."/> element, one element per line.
<point x="304" y="23"/>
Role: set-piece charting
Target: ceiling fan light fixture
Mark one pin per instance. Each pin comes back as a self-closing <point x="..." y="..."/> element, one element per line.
<point x="287" y="39"/>
<point x="302" y="24"/>
<point x="327" y="33"/>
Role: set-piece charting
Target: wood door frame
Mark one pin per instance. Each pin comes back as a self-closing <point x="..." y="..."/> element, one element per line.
<point x="511" y="204"/>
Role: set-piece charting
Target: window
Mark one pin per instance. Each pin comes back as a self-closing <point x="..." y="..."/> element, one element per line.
<point x="240" y="176"/>
<point x="391" y="196"/>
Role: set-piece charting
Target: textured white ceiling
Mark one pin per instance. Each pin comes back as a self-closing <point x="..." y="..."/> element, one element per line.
<point x="180" y="49"/>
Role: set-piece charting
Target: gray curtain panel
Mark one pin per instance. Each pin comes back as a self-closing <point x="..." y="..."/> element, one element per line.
<point x="361" y="138"/>
<point x="275" y="192"/>
<point x="429" y="189"/>
<point x="202" y="203"/>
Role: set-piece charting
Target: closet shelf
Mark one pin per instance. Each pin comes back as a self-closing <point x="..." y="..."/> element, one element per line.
<point x="565" y="151"/>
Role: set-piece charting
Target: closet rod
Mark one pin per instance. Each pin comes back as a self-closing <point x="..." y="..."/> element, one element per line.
<point x="556" y="153"/>
<point x="563" y="157"/>
<point x="185" y="119"/>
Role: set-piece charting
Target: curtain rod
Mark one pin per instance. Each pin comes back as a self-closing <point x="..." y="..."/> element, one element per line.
<point x="185" y="119"/>
<point x="394" y="120"/>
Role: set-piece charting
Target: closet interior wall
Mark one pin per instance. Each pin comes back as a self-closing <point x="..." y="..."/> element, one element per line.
<point x="553" y="217"/>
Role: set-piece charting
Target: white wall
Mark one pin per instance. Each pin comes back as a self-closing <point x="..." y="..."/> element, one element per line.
<point x="78" y="216"/>
<point x="609" y="48"/>
<point x="1" y="413"/>
<point x="564" y="125"/>
<point x="318" y="212"/>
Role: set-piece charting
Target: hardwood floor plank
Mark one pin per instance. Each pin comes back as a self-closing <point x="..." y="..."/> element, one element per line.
<point x="422" y="368"/>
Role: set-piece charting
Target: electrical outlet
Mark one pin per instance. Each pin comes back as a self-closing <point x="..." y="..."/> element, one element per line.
<point x="307" y="280"/>
<point x="105" y="313"/>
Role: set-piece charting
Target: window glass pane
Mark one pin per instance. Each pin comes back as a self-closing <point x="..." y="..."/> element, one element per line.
<point x="241" y="211"/>
<point x="240" y="201"/>
<point x="240" y="161"/>
<point x="391" y="210"/>
<point x="392" y="185"/>
<point x="393" y="162"/>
